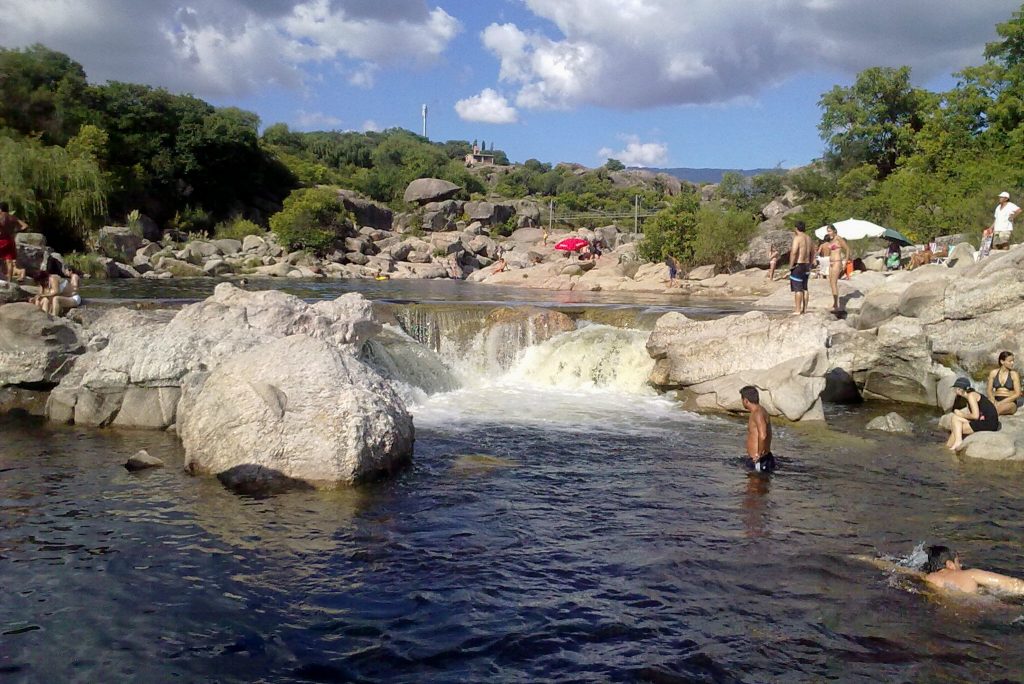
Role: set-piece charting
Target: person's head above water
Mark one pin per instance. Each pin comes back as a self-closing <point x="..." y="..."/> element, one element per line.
<point x="939" y="556"/>
<point x="750" y="395"/>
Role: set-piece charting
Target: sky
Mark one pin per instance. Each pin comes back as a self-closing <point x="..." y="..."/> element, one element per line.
<point x="662" y="83"/>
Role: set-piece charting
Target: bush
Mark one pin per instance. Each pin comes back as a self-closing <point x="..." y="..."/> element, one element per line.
<point x="88" y="264"/>
<point x="236" y="229"/>
<point x="719" y="236"/>
<point x="665" y="232"/>
<point x="192" y="221"/>
<point x="312" y="219"/>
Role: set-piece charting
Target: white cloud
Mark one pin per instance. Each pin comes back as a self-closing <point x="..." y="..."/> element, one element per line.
<point x="637" y="153"/>
<point x="370" y="125"/>
<point x="487" y="107"/>
<point x="642" y="53"/>
<point x="364" y="76"/>
<point x="309" y="121"/>
<point x="230" y="47"/>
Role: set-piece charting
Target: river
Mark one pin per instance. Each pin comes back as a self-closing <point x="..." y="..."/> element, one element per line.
<point x="560" y="522"/>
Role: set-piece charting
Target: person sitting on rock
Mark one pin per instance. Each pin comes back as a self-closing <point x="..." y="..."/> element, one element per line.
<point x="944" y="571"/>
<point x="60" y="292"/>
<point x="1004" y="385"/>
<point x="979" y="415"/>
<point x="892" y="256"/>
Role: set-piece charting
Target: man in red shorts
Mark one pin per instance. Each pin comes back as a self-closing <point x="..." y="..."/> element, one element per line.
<point x="9" y="226"/>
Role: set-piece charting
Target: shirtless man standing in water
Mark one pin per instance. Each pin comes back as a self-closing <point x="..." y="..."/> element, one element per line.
<point x="945" y="572"/>
<point x="759" y="432"/>
<point x="800" y="252"/>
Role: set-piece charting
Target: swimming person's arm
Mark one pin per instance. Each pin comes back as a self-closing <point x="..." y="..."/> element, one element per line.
<point x="1004" y="584"/>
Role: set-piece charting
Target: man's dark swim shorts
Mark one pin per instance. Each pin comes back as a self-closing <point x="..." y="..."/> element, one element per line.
<point x="765" y="464"/>
<point x="798" y="277"/>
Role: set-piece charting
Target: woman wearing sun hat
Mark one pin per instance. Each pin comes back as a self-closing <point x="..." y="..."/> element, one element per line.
<point x="979" y="415"/>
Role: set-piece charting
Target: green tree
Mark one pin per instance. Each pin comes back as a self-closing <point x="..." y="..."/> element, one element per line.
<point x="313" y="219"/>
<point x="666" y="232"/>
<point x="41" y="93"/>
<point x="718" y="236"/>
<point x="874" y="121"/>
<point x="59" y="194"/>
<point x="614" y="165"/>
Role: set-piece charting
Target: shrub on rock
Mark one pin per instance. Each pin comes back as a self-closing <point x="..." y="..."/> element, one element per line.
<point x="312" y="218"/>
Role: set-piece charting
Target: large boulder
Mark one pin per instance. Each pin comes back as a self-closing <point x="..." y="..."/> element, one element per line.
<point x="892" y="363"/>
<point x="441" y="216"/>
<point x="295" y="408"/>
<point x="424" y="190"/>
<point x="687" y="351"/>
<point x="757" y="252"/>
<point x="35" y="347"/>
<point x="367" y="212"/>
<point x="119" y="242"/>
<point x="791" y="389"/>
<point x="1005" y="445"/>
<point x="489" y="213"/>
<point x="150" y="355"/>
<point x="713" y="359"/>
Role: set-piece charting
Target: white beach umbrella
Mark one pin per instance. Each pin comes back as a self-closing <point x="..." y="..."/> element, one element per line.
<point x="853" y="229"/>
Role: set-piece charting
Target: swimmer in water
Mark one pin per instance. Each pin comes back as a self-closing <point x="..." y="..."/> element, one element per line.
<point x="944" y="571"/>
<point x="759" y="432"/>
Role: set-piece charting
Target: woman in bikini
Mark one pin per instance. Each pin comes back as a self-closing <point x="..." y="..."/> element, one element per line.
<point x="773" y="261"/>
<point x="1004" y="385"/>
<point x="837" y="252"/>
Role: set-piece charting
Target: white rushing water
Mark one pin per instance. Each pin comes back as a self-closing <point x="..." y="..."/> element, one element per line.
<point x="594" y="378"/>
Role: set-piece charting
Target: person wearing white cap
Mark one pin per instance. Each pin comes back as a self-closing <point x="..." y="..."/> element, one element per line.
<point x="1002" y="223"/>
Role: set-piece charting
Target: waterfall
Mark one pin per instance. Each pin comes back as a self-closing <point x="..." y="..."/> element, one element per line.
<point x="472" y="365"/>
<point x="592" y="357"/>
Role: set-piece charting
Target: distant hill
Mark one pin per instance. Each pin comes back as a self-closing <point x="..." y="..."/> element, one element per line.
<point x="707" y="175"/>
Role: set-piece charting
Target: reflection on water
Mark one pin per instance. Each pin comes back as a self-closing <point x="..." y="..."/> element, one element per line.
<point x="544" y="550"/>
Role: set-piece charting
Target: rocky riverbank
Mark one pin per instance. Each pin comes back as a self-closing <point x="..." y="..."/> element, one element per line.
<point x="908" y="335"/>
<point x="261" y="385"/>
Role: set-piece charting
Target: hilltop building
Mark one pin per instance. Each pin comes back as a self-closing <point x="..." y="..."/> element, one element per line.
<point x="479" y="157"/>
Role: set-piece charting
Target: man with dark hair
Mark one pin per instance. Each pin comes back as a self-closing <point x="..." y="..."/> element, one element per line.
<point x="945" y="572"/>
<point x="759" y="432"/>
<point x="9" y="225"/>
<point x="800" y="252"/>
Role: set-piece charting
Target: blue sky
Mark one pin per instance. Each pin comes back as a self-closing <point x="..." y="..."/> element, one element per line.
<point x="698" y="83"/>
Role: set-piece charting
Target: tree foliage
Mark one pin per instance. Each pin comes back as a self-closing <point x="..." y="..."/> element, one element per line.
<point x="926" y="164"/>
<point x="312" y="218"/>
<point x="55" y="191"/>
<point x="874" y="120"/>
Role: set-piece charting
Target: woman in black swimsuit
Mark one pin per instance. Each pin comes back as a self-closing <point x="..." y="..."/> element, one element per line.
<point x="1004" y="385"/>
<point x="980" y="415"/>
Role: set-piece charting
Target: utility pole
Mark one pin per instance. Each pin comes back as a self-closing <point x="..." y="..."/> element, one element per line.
<point x="424" y="121"/>
<point x="636" y="215"/>
<point x="551" y="214"/>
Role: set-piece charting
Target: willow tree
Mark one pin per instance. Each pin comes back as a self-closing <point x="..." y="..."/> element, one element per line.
<point x="56" y="192"/>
